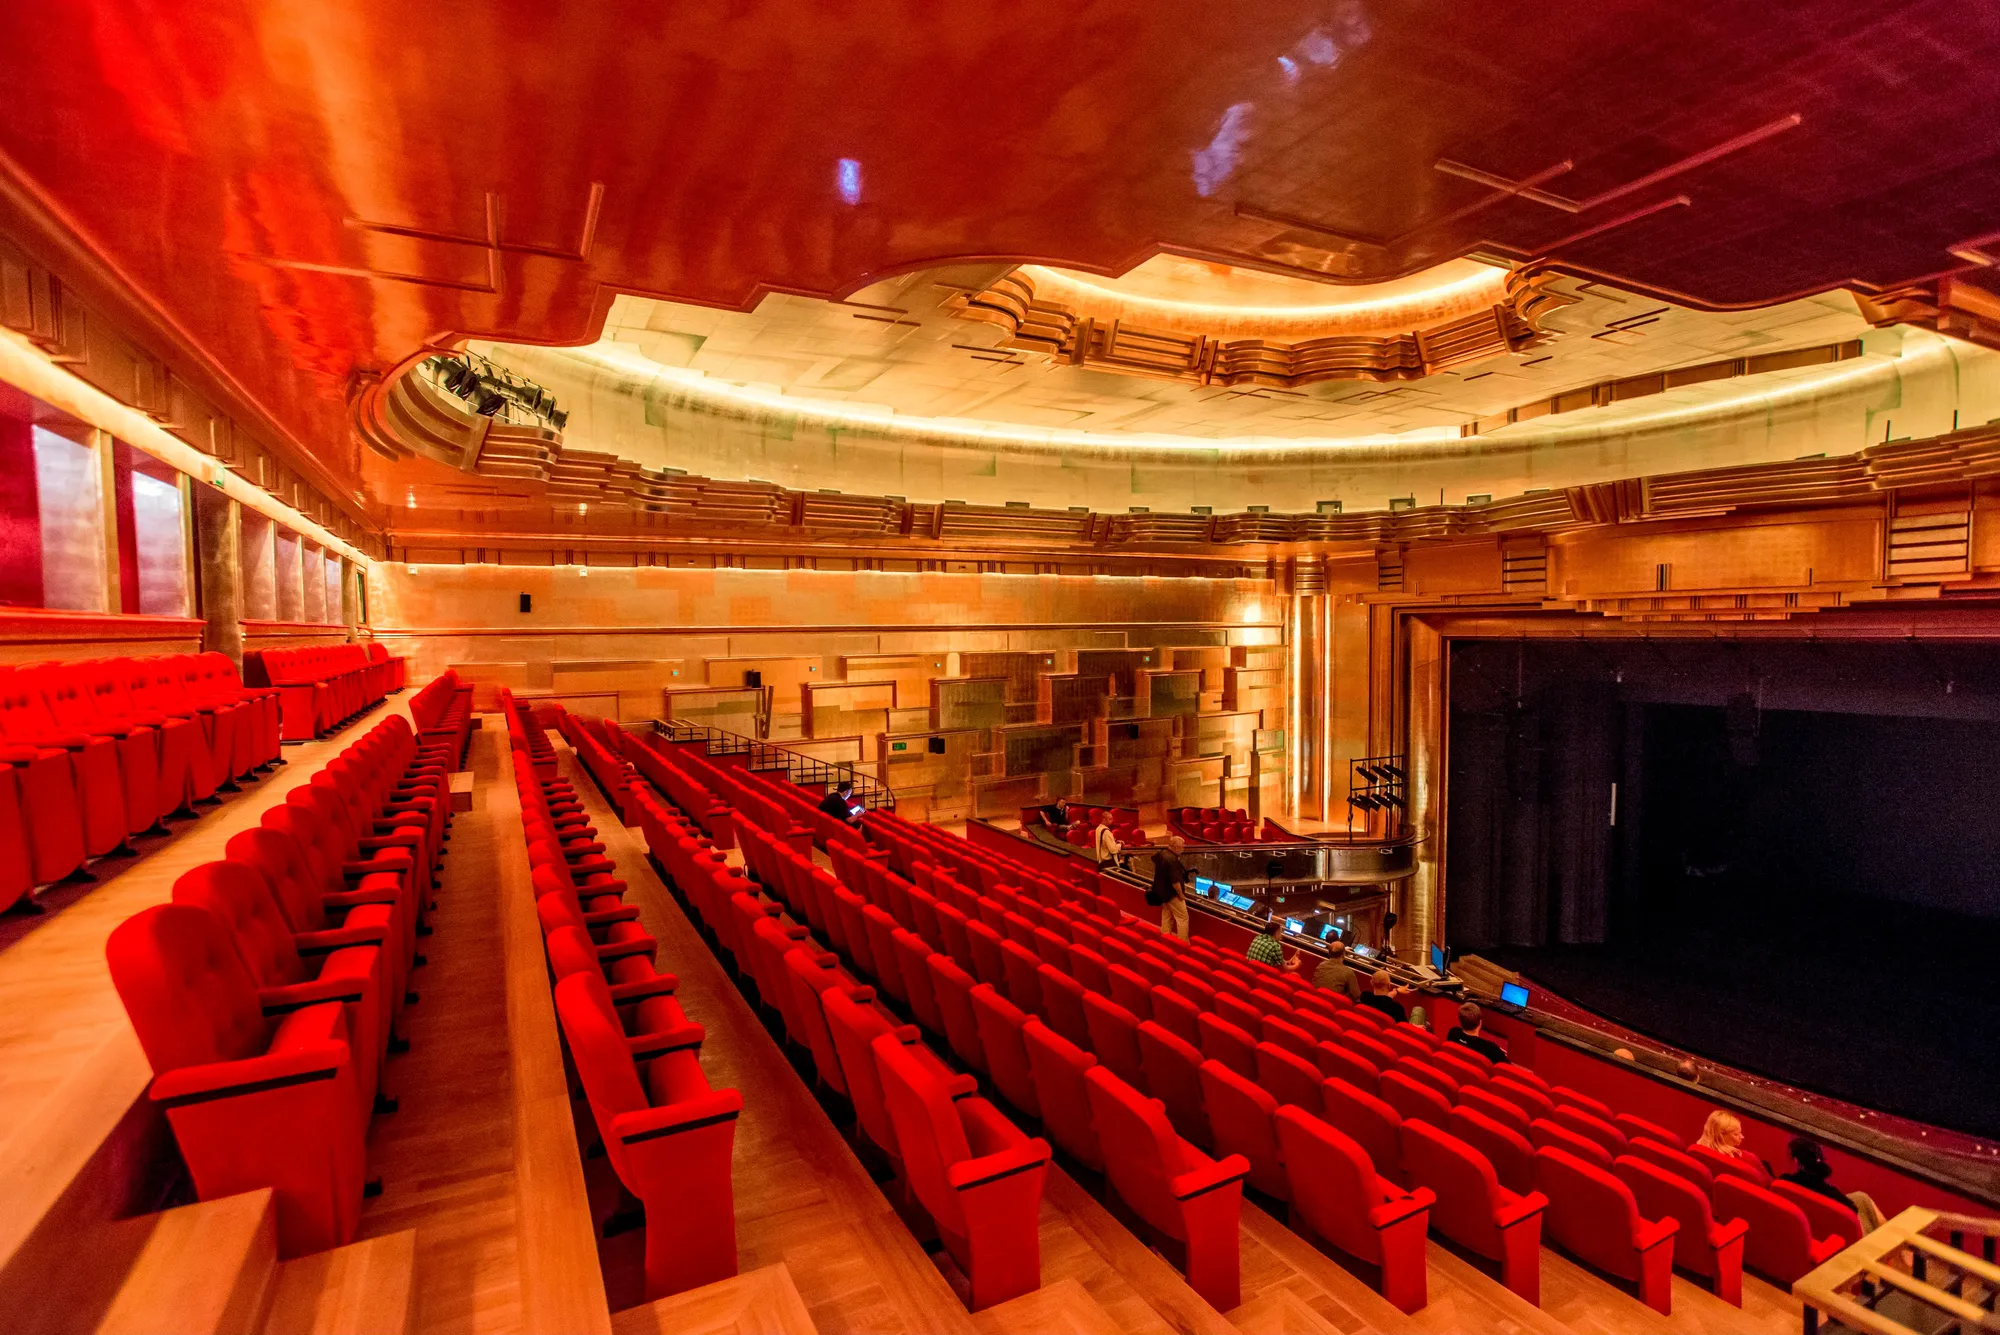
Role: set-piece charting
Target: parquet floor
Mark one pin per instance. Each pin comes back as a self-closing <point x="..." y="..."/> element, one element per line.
<point x="446" y="1157"/>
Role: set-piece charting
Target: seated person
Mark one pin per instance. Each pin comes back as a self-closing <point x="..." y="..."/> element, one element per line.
<point x="1335" y="975"/>
<point x="1381" y="996"/>
<point x="1811" y="1171"/>
<point x="1265" y="947"/>
<point x="1467" y="1033"/>
<point x="840" y="803"/>
<point x="1722" y="1134"/>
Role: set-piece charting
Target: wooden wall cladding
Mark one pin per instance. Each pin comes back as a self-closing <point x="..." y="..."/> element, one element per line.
<point x="35" y="304"/>
<point x="738" y="709"/>
<point x="968" y="702"/>
<point x="841" y="709"/>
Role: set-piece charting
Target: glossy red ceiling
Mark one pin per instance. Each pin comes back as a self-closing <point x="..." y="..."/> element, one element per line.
<point x="256" y="172"/>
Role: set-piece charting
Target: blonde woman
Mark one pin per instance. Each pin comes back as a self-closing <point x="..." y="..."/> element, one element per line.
<point x="1722" y="1134"/>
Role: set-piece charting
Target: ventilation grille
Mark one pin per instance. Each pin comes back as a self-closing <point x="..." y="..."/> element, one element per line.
<point x="1524" y="569"/>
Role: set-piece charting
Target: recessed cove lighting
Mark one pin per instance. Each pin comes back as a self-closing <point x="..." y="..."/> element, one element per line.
<point x="847" y="180"/>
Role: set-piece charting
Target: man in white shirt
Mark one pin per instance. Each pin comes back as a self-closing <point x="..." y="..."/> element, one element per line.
<point x="1105" y="844"/>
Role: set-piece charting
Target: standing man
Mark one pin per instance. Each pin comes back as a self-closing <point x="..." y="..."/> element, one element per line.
<point x="1105" y="844"/>
<point x="1170" y="888"/>
<point x="1334" y="975"/>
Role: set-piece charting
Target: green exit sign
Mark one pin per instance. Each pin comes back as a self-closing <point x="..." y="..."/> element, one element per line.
<point x="899" y="746"/>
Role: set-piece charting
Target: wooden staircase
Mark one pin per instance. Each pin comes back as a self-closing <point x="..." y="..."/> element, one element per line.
<point x="213" y="1269"/>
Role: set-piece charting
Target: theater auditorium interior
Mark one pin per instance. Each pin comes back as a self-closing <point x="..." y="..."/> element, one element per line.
<point x="1313" y="667"/>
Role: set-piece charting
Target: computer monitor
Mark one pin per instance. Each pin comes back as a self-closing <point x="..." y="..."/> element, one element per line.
<point x="1437" y="958"/>
<point x="1514" y="994"/>
<point x="1202" y="886"/>
<point x="1330" y="929"/>
<point x="1293" y="925"/>
<point x="1364" y="951"/>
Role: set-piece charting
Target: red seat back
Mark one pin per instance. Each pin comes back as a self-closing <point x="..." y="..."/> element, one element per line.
<point x="1510" y="1153"/>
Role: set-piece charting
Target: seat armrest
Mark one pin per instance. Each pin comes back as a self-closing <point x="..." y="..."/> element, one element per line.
<point x="1653" y="1232"/>
<point x="1209" y="1177"/>
<point x="659" y="985"/>
<point x="605" y="917"/>
<point x="297" y="996"/>
<point x="968" y="1174"/>
<point x="721" y="1105"/>
<point x="680" y="1038"/>
<point x="311" y="1045"/>
<point x="1389" y="1212"/>
<point x="1521" y="1207"/>
<point x="1725" y="1231"/>
<point x="618" y="950"/>
<point x="309" y="944"/>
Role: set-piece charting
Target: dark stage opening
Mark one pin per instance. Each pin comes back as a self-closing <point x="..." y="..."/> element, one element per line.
<point x="1784" y="856"/>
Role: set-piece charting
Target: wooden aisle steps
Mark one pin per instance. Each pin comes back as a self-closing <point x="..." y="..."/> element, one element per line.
<point x="757" y="1302"/>
<point x="1064" y="1307"/>
<point x="212" y="1269"/>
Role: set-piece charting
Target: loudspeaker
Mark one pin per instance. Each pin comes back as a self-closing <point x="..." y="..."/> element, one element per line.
<point x="527" y="602"/>
<point x="937" y="746"/>
<point x="752" y="677"/>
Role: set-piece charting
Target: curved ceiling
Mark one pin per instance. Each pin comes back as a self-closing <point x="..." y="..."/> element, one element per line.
<point x="298" y="196"/>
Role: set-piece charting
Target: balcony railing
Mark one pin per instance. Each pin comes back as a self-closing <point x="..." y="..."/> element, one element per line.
<point x="765" y="757"/>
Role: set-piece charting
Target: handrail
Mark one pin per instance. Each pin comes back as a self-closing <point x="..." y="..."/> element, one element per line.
<point x="762" y="755"/>
<point x="1905" y="1269"/>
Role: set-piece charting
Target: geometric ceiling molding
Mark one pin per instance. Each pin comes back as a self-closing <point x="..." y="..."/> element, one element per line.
<point x="1080" y="335"/>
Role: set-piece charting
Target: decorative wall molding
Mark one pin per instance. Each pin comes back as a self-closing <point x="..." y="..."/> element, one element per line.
<point x="1079" y="337"/>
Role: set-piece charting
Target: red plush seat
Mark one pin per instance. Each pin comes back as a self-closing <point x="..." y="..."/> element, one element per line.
<point x="1000" y="1022"/>
<point x="1114" y="1038"/>
<point x="1543" y="1132"/>
<point x="1730" y="1165"/>
<point x="1336" y="1062"/>
<point x="953" y="987"/>
<point x="1638" y="1128"/>
<point x="1023" y="971"/>
<point x="913" y="955"/>
<point x="1290" y="1037"/>
<point x="1363" y="1044"/>
<point x="1595" y="1217"/>
<point x="1704" y="1246"/>
<point x="855" y="1027"/>
<point x="177" y="739"/>
<point x="1474" y="1209"/>
<point x="1826" y="1216"/>
<point x="297" y="969"/>
<point x="887" y="968"/>
<point x="1412" y="1098"/>
<point x="1172" y="1070"/>
<point x="1239" y="1117"/>
<point x="1367" y="1120"/>
<point x="1530" y="1101"/>
<point x="813" y="973"/>
<point x="1289" y="1077"/>
<point x="1179" y="1192"/>
<point x="1062" y="1002"/>
<point x="669" y="1137"/>
<point x="1671" y="1160"/>
<point x="1500" y="1110"/>
<point x="1510" y="1153"/>
<point x="254" y="1101"/>
<point x="1424" y="1072"/>
<point x="1563" y="1094"/>
<point x="1781" y="1245"/>
<point x="1463" y="1065"/>
<point x="1338" y="1195"/>
<point x="1058" y="1066"/>
<point x="1176" y="1012"/>
<point x="1229" y="1044"/>
<point x="973" y="1171"/>
<point x="71" y="775"/>
<point x="1607" y="1137"/>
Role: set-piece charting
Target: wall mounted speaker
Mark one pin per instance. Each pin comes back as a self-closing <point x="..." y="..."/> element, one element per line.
<point x="937" y="746"/>
<point x="527" y="602"/>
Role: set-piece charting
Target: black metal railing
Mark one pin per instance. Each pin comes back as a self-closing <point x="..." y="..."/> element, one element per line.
<point x="767" y="757"/>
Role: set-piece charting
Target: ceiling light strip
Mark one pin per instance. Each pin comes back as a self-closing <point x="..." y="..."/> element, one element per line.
<point x="31" y="370"/>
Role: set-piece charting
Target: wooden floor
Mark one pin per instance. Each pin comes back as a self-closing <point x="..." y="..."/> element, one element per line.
<point x="446" y="1157"/>
<point x="70" y="1066"/>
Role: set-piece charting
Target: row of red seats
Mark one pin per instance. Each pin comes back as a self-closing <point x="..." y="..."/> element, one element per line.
<point x="959" y="1161"/>
<point x="909" y="842"/>
<point x="96" y="752"/>
<point x="320" y="687"/>
<point x="668" y="1134"/>
<point x="1222" y="825"/>
<point x="1372" y="1078"/>
<point x="442" y="712"/>
<point x="664" y="768"/>
<point x="269" y="992"/>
